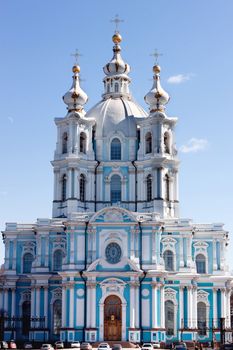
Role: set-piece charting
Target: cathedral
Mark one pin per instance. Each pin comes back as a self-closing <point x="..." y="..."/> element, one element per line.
<point x="116" y="261"/>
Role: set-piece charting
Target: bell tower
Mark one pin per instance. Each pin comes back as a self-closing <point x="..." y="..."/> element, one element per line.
<point x="157" y="155"/>
<point x="74" y="160"/>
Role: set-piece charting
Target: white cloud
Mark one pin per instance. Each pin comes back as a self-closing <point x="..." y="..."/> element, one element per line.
<point x="179" y="78"/>
<point x="194" y="145"/>
<point x="11" y="120"/>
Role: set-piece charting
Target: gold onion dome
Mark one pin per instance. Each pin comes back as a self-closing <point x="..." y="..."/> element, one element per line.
<point x="75" y="98"/>
<point x="116" y="66"/>
<point x="157" y="97"/>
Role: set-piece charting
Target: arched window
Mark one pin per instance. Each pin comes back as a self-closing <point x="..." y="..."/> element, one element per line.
<point x="26" y="314"/>
<point x="201" y="318"/>
<point x="166" y="142"/>
<point x="168" y="257"/>
<point x="148" y="143"/>
<point x="27" y="262"/>
<point x="108" y="88"/>
<point x="57" y="316"/>
<point x="83" y="142"/>
<point x="201" y="263"/>
<point x="115" y="188"/>
<point x="167" y="188"/>
<point x="63" y="189"/>
<point x="64" y="142"/>
<point x="116" y="149"/>
<point x="57" y="260"/>
<point x="169" y="317"/>
<point x="149" y="188"/>
<point x="116" y="87"/>
<point x="82" y="188"/>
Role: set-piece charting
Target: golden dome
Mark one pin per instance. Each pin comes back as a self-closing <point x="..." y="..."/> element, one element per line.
<point x="116" y="38"/>
<point x="76" y="69"/>
<point x="156" y="69"/>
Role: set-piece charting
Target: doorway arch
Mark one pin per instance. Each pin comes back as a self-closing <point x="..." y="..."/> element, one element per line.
<point x="112" y="318"/>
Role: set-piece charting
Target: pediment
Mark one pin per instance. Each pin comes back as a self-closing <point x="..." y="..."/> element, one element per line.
<point x="125" y="265"/>
<point x="113" y="215"/>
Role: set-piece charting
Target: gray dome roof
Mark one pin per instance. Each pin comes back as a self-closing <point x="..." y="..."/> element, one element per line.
<point x="116" y="114"/>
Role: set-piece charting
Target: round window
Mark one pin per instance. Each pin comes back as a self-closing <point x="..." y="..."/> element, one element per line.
<point x="113" y="253"/>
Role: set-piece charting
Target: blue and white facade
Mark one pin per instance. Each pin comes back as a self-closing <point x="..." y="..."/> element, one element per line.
<point x="116" y="261"/>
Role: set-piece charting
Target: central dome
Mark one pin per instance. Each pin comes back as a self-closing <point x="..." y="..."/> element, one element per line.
<point x="116" y="114"/>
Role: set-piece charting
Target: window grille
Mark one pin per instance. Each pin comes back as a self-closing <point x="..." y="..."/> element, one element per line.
<point x="115" y="188"/>
<point x="57" y="260"/>
<point x="149" y="188"/>
<point x="168" y="260"/>
<point x="115" y="149"/>
<point x="148" y="143"/>
<point x="64" y="142"/>
<point x="27" y="262"/>
<point x="83" y="142"/>
<point x="169" y="317"/>
<point x="82" y="188"/>
<point x="201" y="263"/>
<point x="57" y="316"/>
<point x="201" y="318"/>
<point x="63" y="194"/>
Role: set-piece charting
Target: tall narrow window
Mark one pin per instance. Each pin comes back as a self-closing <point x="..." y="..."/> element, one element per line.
<point x="116" y="87"/>
<point x="26" y="315"/>
<point x="168" y="260"/>
<point x="57" y="260"/>
<point x="64" y="142"/>
<point x="63" y="189"/>
<point x="201" y="318"/>
<point x="57" y="316"/>
<point x="201" y="263"/>
<point x="83" y="142"/>
<point x="169" y="317"/>
<point x="115" y="188"/>
<point x="148" y="143"/>
<point x="149" y="187"/>
<point x="167" y="189"/>
<point x="166" y="142"/>
<point x="27" y="262"/>
<point x="82" y="188"/>
<point x="116" y="149"/>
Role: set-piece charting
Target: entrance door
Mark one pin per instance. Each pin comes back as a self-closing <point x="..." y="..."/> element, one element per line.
<point x="112" y="318"/>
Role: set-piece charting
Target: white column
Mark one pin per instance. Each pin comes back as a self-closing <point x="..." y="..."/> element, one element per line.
<point x="6" y="300"/>
<point x="69" y="183"/>
<point x="137" y="305"/>
<point x="123" y="335"/>
<point x="153" y="246"/>
<point x="101" y="308"/>
<point x="71" y="248"/>
<point x="215" y="311"/>
<point x="214" y="256"/>
<point x="162" y="308"/>
<point x="1" y="299"/>
<point x="56" y="185"/>
<point x="93" y="306"/>
<point x="154" y="305"/>
<point x="228" y="307"/>
<point x="46" y="305"/>
<point x="88" y="311"/>
<point x="181" y="306"/>
<point x="189" y="256"/>
<point x="71" y="306"/>
<point x="14" y="255"/>
<point x="190" y="314"/>
<point x="223" y="302"/>
<point x="63" y="306"/>
<point x="132" y="305"/>
<point x="194" y="323"/>
<point x="13" y="302"/>
<point x="222" y="257"/>
<point x="37" y="301"/>
<point x="181" y="252"/>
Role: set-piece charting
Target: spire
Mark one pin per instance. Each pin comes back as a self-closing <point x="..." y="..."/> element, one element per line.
<point x="75" y="98"/>
<point x="116" y="80"/>
<point x="157" y="97"/>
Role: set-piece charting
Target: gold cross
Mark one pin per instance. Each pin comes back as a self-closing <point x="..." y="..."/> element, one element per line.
<point x="76" y="56"/>
<point x="117" y="20"/>
<point x="156" y="55"/>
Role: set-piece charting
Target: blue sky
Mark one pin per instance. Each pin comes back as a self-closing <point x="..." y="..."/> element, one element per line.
<point x="37" y="38"/>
